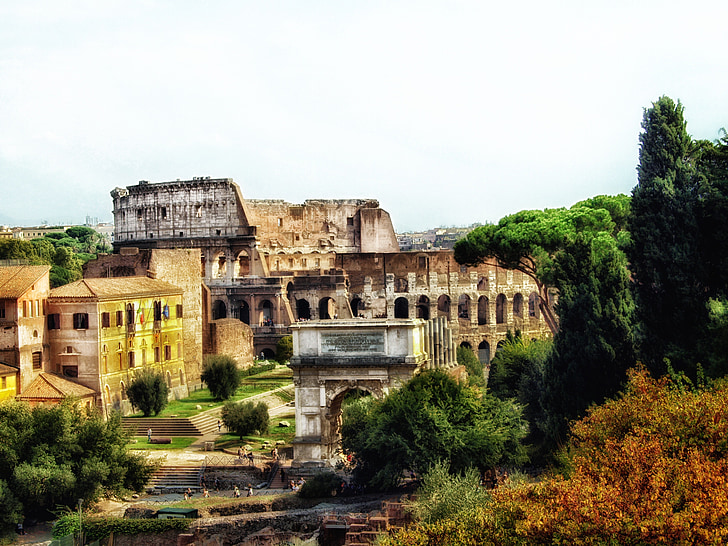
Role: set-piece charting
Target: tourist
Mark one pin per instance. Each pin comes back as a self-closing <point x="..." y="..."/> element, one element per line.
<point x="236" y="492"/>
<point x="219" y="425"/>
<point x="205" y="492"/>
<point x="149" y="435"/>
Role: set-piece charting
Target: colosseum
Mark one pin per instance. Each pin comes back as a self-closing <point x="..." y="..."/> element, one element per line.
<point x="270" y="263"/>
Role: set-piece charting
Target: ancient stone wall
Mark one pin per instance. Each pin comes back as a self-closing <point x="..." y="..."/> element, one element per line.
<point x="233" y="338"/>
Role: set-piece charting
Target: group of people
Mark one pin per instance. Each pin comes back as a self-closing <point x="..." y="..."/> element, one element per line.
<point x="244" y="454"/>
<point x="249" y="489"/>
<point x="296" y="485"/>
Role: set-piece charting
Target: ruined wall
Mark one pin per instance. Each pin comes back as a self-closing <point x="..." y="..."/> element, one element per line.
<point x="178" y="210"/>
<point x="233" y="338"/>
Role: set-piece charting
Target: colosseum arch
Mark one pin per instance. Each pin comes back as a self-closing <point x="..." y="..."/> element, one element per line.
<point x="244" y="312"/>
<point x="533" y="305"/>
<point x="484" y="352"/>
<point x="443" y="306"/>
<point x="423" y="307"/>
<point x="483" y="310"/>
<point x="327" y="308"/>
<point x="219" y="310"/>
<point x="401" y="308"/>
<point x="219" y="265"/>
<point x="464" y="306"/>
<point x="518" y="305"/>
<point x="242" y="264"/>
<point x="303" y="309"/>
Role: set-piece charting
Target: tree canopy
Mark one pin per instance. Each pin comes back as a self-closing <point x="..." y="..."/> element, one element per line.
<point x="148" y="392"/>
<point x="430" y="418"/>
<point x="51" y="456"/>
<point x="221" y="375"/>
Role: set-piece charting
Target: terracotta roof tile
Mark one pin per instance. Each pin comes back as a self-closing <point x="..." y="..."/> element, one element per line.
<point x="49" y="386"/>
<point x="113" y="288"/>
<point x="16" y="280"/>
<point x="7" y="370"/>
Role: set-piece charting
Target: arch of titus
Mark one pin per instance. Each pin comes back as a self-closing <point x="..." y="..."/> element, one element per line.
<point x="333" y="357"/>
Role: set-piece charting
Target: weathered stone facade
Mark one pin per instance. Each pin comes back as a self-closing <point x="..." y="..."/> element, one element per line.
<point x="271" y="263"/>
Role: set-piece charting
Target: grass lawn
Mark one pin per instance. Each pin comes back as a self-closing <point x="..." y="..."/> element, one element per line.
<point x="177" y="443"/>
<point x="281" y="376"/>
<point x="275" y="433"/>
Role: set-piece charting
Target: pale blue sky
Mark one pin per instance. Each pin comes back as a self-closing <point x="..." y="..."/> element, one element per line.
<point x="448" y="113"/>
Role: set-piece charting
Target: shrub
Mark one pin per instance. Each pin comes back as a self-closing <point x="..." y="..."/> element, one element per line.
<point x="148" y="392"/>
<point x="284" y="349"/>
<point x="466" y="357"/>
<point x="221" y="375"/>
<point x="245" y="418"/>
<point x="323" y="484"/>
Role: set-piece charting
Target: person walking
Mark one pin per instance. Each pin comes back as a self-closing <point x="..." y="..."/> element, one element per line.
<point x="219" y="425"/>
<point x="149" y="435"/>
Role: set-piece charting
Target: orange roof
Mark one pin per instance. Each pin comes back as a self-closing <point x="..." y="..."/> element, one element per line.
<point x="7" y="370"/>
<point x="49" y="386"/>
<point x="114" y="288"/>
<point x="16" y="280"/>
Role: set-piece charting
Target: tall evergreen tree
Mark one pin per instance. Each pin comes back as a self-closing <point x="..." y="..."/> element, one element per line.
<point x="664" y="256"/>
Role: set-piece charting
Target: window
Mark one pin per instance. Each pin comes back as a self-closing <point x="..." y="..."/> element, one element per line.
<point x="140" y="214"/>
<point x="37" y="360"/>
<point x="179" y="310"/>
<point x="2" y="312"/>
<point x="198" y="213"/>
<point x="164" y="213"/>
<point x="120" y="318"/>
<point x="422" y="262"/>
<point x="80" y="321"/>
<point x="130" y="313"/>
<point x="156" y="355"/>
<point x="280" y="222"/>
<point x="157" y="310"/>
<point x="105" y="320"/>
<point x="25" y="308"/>
<point x="167" y="352"/>
<point x="130" y="356"/>
<point x="54" y="321"/>
<point x="350" y="221"/>
<point x="5" y="383"/>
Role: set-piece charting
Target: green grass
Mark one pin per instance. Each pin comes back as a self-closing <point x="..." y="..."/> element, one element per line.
<point x="275" y="433"/>
<point x="178" y="442"/>
<point x="251" y="385"/>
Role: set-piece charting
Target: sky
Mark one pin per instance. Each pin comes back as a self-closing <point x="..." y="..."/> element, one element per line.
<point x="448" y="113"/>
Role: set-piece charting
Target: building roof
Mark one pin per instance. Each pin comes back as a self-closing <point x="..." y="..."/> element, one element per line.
<point x="114" y="288"/>
<point x="7" y="370"/>
<point x="49" y="386"/>
<point x="16" y="280"/>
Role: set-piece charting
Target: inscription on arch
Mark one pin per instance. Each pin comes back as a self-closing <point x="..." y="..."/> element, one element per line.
<point x="352" y="342"/>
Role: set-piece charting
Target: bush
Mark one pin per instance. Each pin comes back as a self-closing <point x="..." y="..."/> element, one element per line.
<point x="246" y="418"/>
<point x="148" y="392"/>
<point x="323" y="484"/>
<point x="466" y="357"/>
<point x="257" y="368"/>
<point x="284" y="349"/>
<point x="221" y="375"/>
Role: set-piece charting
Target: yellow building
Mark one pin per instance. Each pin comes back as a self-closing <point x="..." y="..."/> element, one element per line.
<point x="8" y="382"/>
<point x="102" y="331"/>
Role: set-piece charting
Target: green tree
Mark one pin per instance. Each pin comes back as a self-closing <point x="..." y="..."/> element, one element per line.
<point x="53" y="455"/>
<point x="431" y="418"/>
<point x="148" y="392"/>
<point x="221" y="375"/>
<point x="245" y="418"/>
<point x="466" y="357"/>
<point x="664" y="256"/>
<point x="284" y="349"/>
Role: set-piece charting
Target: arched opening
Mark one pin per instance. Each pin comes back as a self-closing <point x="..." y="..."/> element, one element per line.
<point x="169" y="380"/>
<point x="242" y="264"/>
<point x="423" y="308"/>
<point x="466" y="345"/>
<point x="267" y="354"/>
<point x="219" y="265"/>
<point x="499" y="347"/>
<point x="518" y="305"/>
<point x="464" y="306"/>
<point x="484" y="352"/>
<point x="533" y="305"/>
<point x="327" y="308"/>
<point x="122" y="387"/>
<point x="483" y="284"/>
<point x="401" y="284"/>
<point x="265" y="313"/>
<point x="401" y="308"/>
<point x="357" y="305"/>
<point x="303" y="309"/>
<point x="483" y="310"/>
<point x="443" y="306"/>
<point x="244" y="312"/>
<point x="219" y="310"/>
<point x="500" y="309"/>
<point x="336" y="411"/>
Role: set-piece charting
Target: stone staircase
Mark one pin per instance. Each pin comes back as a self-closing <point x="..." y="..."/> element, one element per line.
<point x="161" y="426"/>
<point x="176" y="479"/>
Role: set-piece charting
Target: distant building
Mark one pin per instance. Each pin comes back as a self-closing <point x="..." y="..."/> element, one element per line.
<point x="8" y="382"/>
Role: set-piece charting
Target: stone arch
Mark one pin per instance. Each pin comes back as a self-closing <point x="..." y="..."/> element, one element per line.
<point x="327" y="308"/>
<point x="423" y="307"/>
<point x="443" y="306"/>
<point x="244" y="312"/>
<point x="401" y="308"/>
<point x="484" y="352"/>
<point x="483" y="310"/>
<point x="268" y="353"/>
<point x="466" y="345"/>
<point x="499" y="346"/>
<point x="357" y="305"/>
<point x="401" y="284"/>
<point x="518" y="305"/>
<point x="122" y="389"/>
<point x="219" y="310"/>
<point x="464" y="306"/>
<point x="534" y="302"/>
<point x="242" y="264"/>
<point x="303" y="309"/>
<point x="500" y="309"/>
<point x="219" y="265"/>
<point x="265" y="313"/>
